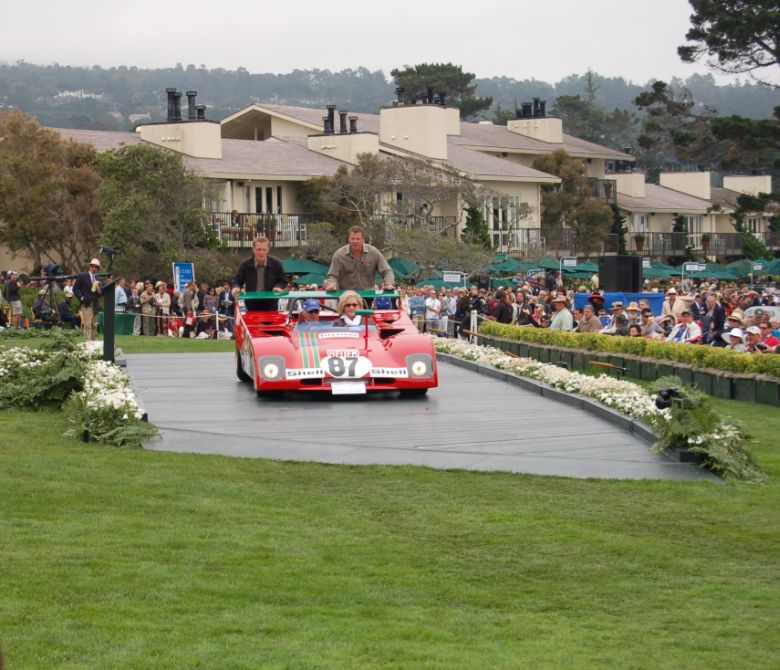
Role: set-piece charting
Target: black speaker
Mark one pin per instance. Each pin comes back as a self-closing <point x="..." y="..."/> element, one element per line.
<point x="620" y="274"/>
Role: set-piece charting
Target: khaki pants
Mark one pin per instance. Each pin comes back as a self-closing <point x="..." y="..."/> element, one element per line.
<point x="89" y="321"/>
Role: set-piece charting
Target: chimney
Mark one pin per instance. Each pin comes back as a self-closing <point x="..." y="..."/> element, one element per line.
<point x="536" y="108"/>
<point x="430" y="95"/>
<point x="343" y="122"/>
<point x="177" y="106"/>
<point x="526" y="110"/>
<point x="353" y="124"/>
<point x="171" y="104"/>
<point x="442" y="98"/>
<point x="331" y="119"/>
<point x="542" y="108"/>
<point x="399" y="92"/>
<point x="200" y="112"/>
<point x="191" y="114"/>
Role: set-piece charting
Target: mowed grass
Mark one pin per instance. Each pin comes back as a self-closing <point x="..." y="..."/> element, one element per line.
<point x="134" y="559"/>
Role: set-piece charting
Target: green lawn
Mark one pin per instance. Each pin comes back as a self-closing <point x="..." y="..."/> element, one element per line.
<point x="134" y="559"/>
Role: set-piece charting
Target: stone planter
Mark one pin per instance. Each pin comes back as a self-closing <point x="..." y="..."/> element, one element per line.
<point x="648" y="371"/>
<point x="744" y="388"/>
<point x="767" y="392"/>
<point x="703" y="381"/>
<point x="722" y="386"/>
<point x="684" y="372"/>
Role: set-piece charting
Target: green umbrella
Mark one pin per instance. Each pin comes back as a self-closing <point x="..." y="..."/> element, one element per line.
<point x="548" y="263"/>
<point x="298" y="266"/>
<point x="311" y="278"/>
<point x="585" y="266"/>
<point x="403" y="267"/>
<point x="509" y="266"/>
<point x="773" y="268"/>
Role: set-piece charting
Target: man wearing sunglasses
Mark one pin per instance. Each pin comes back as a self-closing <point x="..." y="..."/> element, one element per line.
<point x="355" y="265"/>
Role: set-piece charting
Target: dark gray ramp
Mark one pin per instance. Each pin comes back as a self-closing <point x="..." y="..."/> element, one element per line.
<point x="471" y="421"/>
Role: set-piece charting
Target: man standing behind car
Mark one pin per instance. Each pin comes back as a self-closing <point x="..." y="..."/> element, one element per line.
<point x="259" y="273"/>
<point x="355" y="265"/>
<point x="87" y="289"/>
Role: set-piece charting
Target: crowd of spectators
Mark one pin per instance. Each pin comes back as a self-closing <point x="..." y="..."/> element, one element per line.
<point x="743" y="318"/>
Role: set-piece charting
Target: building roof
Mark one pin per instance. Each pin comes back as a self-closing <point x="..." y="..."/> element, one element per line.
<point x="286" y="159"/>
<point x="480" y="165"/>
<point x="662" y="199"/>
<point x="102" y="140"/>
<point x="477" y="135"/>
<point x="724" y="197"/>
<point x="272" y="158"/>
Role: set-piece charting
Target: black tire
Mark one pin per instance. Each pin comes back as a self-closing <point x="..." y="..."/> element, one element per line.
<point x="269" y="394"/>
<point x="243" y="376"/>
<point x="413" y="393"/>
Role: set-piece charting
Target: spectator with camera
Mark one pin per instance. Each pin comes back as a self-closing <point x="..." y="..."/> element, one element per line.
<point x="88" y="290"/>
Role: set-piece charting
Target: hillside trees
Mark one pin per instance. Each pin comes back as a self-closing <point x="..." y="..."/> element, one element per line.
<point x="48" y="207"/>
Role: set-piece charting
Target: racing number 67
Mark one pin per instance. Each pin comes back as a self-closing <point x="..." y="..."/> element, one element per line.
<point x="340" y="367"/>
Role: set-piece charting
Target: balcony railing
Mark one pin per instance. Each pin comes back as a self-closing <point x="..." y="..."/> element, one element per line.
<point x="605" y="189"/>
<point x="558" y="242"/>
<point x="291" y="230"/>
<point x="284" y="230"/>
<point x="676" y="244"/>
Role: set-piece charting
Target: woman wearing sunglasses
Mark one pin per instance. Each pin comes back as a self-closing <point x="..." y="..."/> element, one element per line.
<point x="349" y="303"/>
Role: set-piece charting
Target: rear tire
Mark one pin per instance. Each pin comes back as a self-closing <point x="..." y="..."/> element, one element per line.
<point x="243" y="376"/>
<point x="413" y="393"/>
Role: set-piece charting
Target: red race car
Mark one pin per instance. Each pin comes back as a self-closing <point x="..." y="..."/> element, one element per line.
<point x="277" y="351"/>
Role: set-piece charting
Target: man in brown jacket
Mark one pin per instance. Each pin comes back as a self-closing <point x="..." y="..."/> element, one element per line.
<point x="590" y="322"/>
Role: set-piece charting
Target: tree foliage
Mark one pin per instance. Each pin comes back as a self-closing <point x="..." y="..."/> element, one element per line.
<point x="432" y="250"/>
<point x="153" y="209"/>
<point x="570" y="203"/>
<point x="444" y="78"/>
<point x="476" y="231"/>
<point x="47" y="193"/>
<point x="677" y="127"/>
<point x="740" y="35"/>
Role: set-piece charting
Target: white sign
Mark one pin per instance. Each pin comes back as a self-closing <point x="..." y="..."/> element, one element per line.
<point x="569" y="262"/>
<point x="694" y="267"/>
<point x="646" y="263"/>
<point x="330" y="336"/>
<point x="757" y="267"/>
<point x="452" y="277"/>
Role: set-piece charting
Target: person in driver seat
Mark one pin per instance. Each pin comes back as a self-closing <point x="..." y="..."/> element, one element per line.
<point x="310" y="313"/>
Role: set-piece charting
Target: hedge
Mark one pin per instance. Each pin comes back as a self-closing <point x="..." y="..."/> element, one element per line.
<point x="696" y="355"/>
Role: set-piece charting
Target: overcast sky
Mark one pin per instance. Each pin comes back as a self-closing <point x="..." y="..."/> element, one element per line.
<point x="542" y="39"/>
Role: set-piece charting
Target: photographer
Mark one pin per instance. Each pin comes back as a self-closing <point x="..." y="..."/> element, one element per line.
<point x="87" y="289"/>
<point x="148" y="309"/>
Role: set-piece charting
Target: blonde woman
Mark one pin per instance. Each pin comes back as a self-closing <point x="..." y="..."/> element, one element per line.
<point x="349" y="303"/>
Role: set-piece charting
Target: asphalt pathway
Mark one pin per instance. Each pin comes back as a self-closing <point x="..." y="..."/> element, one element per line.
<point x="470" y="421"/>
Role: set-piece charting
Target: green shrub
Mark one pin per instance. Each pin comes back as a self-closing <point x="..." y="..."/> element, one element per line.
<point x="690" y="354"/>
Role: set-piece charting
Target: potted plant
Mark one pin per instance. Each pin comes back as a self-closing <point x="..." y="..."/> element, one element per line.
<point x="705" y="242"/>
<point x="639" y="240"/>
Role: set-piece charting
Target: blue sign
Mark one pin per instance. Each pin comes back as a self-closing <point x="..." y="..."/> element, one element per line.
<point x="183" y="273"/>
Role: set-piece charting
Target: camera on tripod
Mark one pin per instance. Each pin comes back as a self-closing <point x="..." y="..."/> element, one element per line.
<point x="110" y="250"/>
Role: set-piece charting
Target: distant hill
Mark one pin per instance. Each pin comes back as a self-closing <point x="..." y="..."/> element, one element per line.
<point x="116" y="98"/>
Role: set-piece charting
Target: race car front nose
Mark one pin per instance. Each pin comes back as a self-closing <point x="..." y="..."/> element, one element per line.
<point x="420" y="366"/>
<point x="272" y="368"/>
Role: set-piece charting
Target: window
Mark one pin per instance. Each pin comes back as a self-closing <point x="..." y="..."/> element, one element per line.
<point x="692" y="224"/>
<point x="753" y="224"/>
<point x="639" y="223"/>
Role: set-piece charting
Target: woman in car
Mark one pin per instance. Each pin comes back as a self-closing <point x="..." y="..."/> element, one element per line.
<point x="349" y="303"/>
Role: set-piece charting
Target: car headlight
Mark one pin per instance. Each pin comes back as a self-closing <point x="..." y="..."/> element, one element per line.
<point x="420" y="366"/>
<point x="272" y="368"/>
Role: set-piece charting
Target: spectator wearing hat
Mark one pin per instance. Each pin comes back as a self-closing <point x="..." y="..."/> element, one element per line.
<point x="618" y="310"/>
<point x="649" y="326"/>
<point x="735" y="339"/>
<point x="687" y="330"/>
<point x="753" y="343"/>
<point x="589" y="323"/>
<point x="633" y="311"/>
<point x="668" y="308"/>
<point x="87" y="289"/>
<point x="41" y="309"/>
<point x="13" y="294"/>
<point x="65" y="308"/>
<point x="562" y="319"/>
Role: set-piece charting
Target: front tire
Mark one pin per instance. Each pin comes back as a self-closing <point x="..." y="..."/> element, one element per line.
<point x="243" y="376"/>
<point x="413" y="393"/>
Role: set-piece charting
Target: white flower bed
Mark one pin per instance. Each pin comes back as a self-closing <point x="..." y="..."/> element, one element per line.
<point x="623" y="396"/>
<point x="102" y="406"/>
